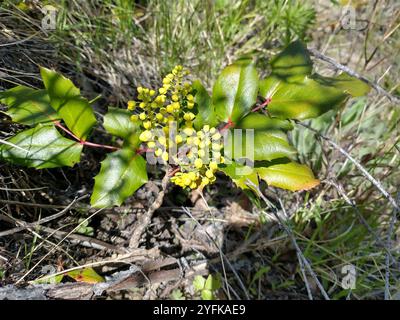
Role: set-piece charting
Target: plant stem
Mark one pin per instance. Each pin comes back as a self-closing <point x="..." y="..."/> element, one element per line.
<point x="83" y="142"/>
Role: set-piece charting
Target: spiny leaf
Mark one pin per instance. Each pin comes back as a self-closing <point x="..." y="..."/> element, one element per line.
<point x="293" y="62"/>
<point x="291" y="176"/>
<point x="121" y="174"/>
<point x="66" y="100"/>
<point x="258" y="121"/>
<point x="87" y="275"/>
<point x="267" y="145"/>
<point x="302" y="99"/>
<point x="345" y="83"/>
<point x="44" y="147"/>
<point x="118" y="122"/>
<point x="239" y="173"/>
<point x="235" y="91"/>
<point x="28" y="106"/>
<point x="206" y="112"/>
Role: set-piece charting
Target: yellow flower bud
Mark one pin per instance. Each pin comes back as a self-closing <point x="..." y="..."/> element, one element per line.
<point x="176" y="105"/>
<point x="134" y="117"/>
<point x="190" y="105"/>
<point x="139" y="89"/>
<point x="162" y="140"/>
<point x="205" y="181"/>
<point x="152" y="93"/>
<point x="206" y="128"/>
<point x="209" y="174"/>
<point x="165" y="156"/>
<point x="170" y="108"/>
<point x="186" y="180"/>
<point x="159" y="116"/>
<point x="192" y="175"/>
<point x="142" y="105"/>
<point x="131" y="105"/>
<point x="216" y="136"/>
<point x="147" y="124"/>
<point x="158" y="152"/>
<point x="198" y="163"/>
<point x="217" y="155"/>
<point x="174" y="97"/>
<point x="201" y="153"/>
<point x="151" y="144"/>
<point x="189" y="116"/>
<point x="162" y="91"/>
<point x="213" y="165"/>
<point x="166" y="81"/>
<point x="178" y="139"/>
<point x="193" y="185"/>
<point x="142" y="116"/>
<point x="216" y="146"/>
<point x="145" y="135"/>
<point x="188" y="131"/>
<point x="213" y="130"/>
<point x="189" y="97"/>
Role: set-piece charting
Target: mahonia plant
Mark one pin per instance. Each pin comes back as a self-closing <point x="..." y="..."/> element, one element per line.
<point x="182" y="127"/>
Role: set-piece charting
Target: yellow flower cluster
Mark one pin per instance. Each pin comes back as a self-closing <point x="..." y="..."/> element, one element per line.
<point x="173" y="104"/>
<point x="200" y="159"/>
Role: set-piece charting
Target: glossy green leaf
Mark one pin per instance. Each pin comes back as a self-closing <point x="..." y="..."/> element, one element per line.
<point x="66" y="100"/>
<point x="258" y="121"/>
<point x="291" y="176"/>
<point x="28" y="106"/>
<point x="50" y="279"/>
<point x="345" y="83"/>
<point x="213" y="283"/>
<point x="235" y="91"/>
<point x="239" y="173"/>
<point x="118" y="123"/>
<point x="292" y="63"/>
<point x="121" y="174"/>
<point x="87" y="275"/>
<point x="206" y="113"/>
<point x="301" y="99"/>
<point x="258" y="145"/>
<point x="44" y="147"/>
<point x="199" y="282"/>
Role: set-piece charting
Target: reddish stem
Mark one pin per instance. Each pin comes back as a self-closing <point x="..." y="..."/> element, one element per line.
<point x="262" y="105"/>
<point x="83" y="142"/>
<point x="229" y="124"/>
<point x="172" y="173"/>
<point x="143" y="150"/>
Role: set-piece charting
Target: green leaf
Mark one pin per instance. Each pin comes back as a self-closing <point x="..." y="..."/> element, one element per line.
<point x="206" y="112"/>
<point x="239" y="173"/>
<point x="258" y="121"/>
<point x="66" y="100"/>
<point x="207" y="295"/>
<point x="87" y="275"/>
<point x="267" y="145"/>
<point x="235" y="91"/>
<point x="301" y="99"/>
<point x="213" y="283"/>
<point x="44" y="147"/>
<point x="199" y="283"/>
<point x="291" y="176"/>
<point x="121" y="174"/>
<point x="293" y="62"/>
<point x="28" y="106"/>
<point x="118" y="123"/>
<point x="345" y="83"/>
